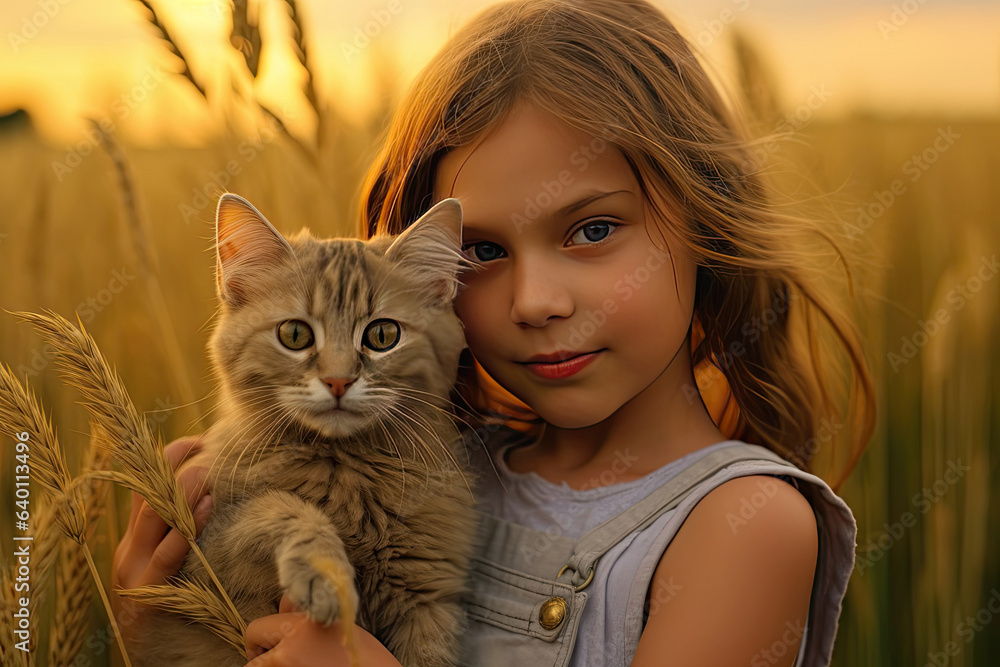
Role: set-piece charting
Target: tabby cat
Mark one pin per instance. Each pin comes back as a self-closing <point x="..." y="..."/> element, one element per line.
<point x="336" y="359"/>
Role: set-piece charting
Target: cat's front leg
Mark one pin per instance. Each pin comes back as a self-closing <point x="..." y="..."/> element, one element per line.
<point x="275" y="542"/>
<point x="306" y="562"/>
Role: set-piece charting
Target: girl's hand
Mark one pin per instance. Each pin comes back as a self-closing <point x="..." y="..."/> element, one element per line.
<point x="150" y="550"/>
<point x="290" y="639"/>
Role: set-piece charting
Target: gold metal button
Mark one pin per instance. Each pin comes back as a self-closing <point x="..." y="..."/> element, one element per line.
<point x="552" y="613"/>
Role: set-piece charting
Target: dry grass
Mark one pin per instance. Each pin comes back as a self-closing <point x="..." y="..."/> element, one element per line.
<point x="118" y="432"/>
<point x="20" y="412"/>
<point x="73" y="581"/>
<point x="190" y="599"/>
<point x="938" y="407"/>
<point x="127" y="435"/>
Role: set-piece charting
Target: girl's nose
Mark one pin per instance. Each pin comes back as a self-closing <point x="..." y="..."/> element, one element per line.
<point x="539" y="293"/>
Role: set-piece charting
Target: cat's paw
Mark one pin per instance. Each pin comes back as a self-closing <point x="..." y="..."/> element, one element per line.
<point x="320" y="585"/>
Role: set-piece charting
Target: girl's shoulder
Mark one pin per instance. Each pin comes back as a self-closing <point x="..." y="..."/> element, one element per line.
<point x="751" y="524"/>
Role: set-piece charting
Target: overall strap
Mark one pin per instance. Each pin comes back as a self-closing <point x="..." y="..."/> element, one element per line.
<point x="596" y="542"/>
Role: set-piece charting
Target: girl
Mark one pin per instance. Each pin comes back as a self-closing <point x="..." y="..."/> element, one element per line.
<point x="647" y="383"/>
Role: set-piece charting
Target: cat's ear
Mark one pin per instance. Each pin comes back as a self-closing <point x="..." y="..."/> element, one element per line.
<point x="246" y="245"/>
<point x="431" y="250"/>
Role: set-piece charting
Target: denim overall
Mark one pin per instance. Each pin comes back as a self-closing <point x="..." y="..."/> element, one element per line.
<point x="524" y="604"/>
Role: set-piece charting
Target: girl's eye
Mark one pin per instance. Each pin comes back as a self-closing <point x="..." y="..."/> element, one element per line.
<point x="594" y="232"/>
<point x="295" y="334"/>
<point x="381" y="335"/>
<point x="484" y="251"/>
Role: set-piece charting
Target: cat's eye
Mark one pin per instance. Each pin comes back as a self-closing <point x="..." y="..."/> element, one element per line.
<point x="295" y="334"/>
<point x="381" y="335"/>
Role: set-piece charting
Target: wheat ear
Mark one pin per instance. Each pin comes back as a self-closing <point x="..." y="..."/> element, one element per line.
<point x="154" y="20"/>
<point x="73" y="584"/>
<point x="138" y="228"/>
<point x="145" y="468"/>
<point x="20" y="412"/>
<point x="191" y="599"/>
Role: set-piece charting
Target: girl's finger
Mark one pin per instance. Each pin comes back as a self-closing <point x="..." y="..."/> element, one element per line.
<point x="264" y="633"/>
<point x="286" y="604"/>
<point x="149" y="529"/>
<point x="168" y="556"/>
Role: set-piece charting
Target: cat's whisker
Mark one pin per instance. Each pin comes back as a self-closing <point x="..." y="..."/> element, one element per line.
<point x="419" y="445"/>
<point x="220" y="405"/>
<point x="402" y="404"/>
<point x="269" y="441"/>
<point x="235" y="439"/>
<point x="402" y="465"/>
<point x="259" y="418"/>
<point x="412" y="391"/>
<point x="418" y="420"/>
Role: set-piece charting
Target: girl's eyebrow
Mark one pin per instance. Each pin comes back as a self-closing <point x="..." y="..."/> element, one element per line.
<point x="572" y="207"/>
<point x="586" y="199"/>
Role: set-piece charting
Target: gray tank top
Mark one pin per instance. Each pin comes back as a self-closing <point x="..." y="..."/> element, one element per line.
<point x="560" y="575"/>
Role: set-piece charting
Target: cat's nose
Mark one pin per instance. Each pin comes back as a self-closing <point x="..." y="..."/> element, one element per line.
<point x="338" y="386"/>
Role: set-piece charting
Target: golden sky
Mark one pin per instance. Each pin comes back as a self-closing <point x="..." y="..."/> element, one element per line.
<point x="65" y="60"/>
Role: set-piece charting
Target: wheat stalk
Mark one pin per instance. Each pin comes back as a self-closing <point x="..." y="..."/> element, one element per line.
<point x="154" y="19"/>
<point x="301" y="51"/>
<point x="245" y="36"/>
<point x="127" y="435"/>
<point x="192" y="600"/>
<point x="69" y="627"/>
<point x="73" y="583"/>
<point x="20" y="412"/>
<point x="138" y="228"/>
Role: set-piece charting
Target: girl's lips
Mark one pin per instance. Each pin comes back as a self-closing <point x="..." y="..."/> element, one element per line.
<point x="562" y="369"/>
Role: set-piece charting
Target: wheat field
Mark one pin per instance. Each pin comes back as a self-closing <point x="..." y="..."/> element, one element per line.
<point x="122" y="240"/>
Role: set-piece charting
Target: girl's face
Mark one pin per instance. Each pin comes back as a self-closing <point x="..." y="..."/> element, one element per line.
<point x="558" y="221"/>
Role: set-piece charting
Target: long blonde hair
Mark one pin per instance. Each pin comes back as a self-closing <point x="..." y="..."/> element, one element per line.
<point x="620" y="71"/>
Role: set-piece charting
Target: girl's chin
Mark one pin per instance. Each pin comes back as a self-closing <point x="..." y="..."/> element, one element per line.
<point x="570" y="414"/>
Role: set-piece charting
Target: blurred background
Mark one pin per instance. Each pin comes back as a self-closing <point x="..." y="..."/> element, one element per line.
<point x="121" y="121"/>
